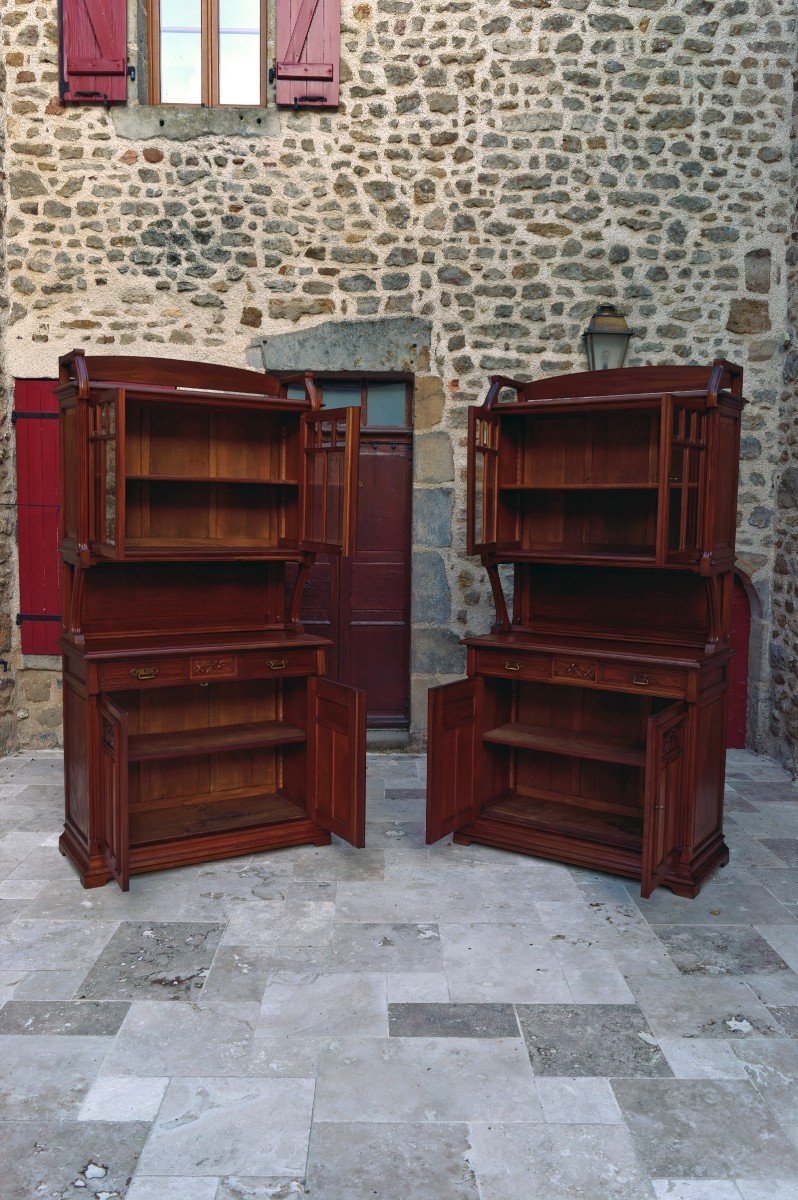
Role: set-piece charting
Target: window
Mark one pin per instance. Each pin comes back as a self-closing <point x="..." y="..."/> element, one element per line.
<point x="208" y="52"/>
<point x="383" y="404"/>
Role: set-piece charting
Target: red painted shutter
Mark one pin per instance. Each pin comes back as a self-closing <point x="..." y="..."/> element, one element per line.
<point x="38" y="514"/>
<point x="93" y="51"/>
<point x="308" y="51"/>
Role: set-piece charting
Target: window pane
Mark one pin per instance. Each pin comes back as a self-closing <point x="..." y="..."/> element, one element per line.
<point x="181" y="52"/>
<point x="239" y="52"/>
<point x="295" y="392"/>
<point x="386" y="404"/>
<point x="340" y="395"/>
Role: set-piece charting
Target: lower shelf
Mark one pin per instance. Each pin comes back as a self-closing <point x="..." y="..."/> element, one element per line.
<point x="567" y="819"/>
<point x="196" y="816"/>
<point x="188" y="743"/>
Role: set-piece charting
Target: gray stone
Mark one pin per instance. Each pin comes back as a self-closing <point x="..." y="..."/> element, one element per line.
<point x="47" y="1075"/>
<point x="757" y="270"/>
<point x="389" y="344"/>
<point x="384" y="947"/>
<point x="591" y="1039"/>
<point x="164" y="960"/>
<point x="51" y="1161"/>
<point x="213" y="1038"/>
<point x="704" y="1129"/>
<point x="139" y="122"/>
<point x="432" y="516"/>
<point x="431" y="597"/>
<point x="434" y="461"/>
<point x="725" y="950"/>
<point x="453" y="1020"/>
<point x="84" y="1017"/>
<point x="389" y="1161"/>
<point x="748" y="316"/>
<point x="437" y="651"/>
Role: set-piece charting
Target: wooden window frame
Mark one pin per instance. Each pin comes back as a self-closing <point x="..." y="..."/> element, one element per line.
<point x="209" y="25"/>
<point x="363" y="382"/>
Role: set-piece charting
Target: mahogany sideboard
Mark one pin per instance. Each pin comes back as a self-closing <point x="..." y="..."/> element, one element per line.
<point x="197" y="723"/>
<point x="591" y="726"/>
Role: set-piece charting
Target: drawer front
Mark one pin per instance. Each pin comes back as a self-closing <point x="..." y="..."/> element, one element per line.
<point x="268" y="664"/>
<point x="574" y="670"/>
<point x="142" y="673"/>
<point x="513" y="666"/>
<point x="213" y="666"/>
<point x="660" y="681"/>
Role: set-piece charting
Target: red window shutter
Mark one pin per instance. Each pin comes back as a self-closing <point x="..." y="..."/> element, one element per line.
<point x="308" y="51"/>
<point x="93" y="51"/>
<point x="38" y="514"/>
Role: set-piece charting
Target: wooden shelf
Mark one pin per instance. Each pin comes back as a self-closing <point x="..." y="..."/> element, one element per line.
<point x="133" y="477"/>
<point x="578" y="487"/>
<point x="567" y="818"/>
<point x="188" y="743"/>
<point x="215" y="813"/>
<point x="569" y="553"/>
<point x="565" y="742"/>
<point x="227" y="547"/>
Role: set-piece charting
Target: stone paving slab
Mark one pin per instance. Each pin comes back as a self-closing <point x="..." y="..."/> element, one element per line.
<point x="404" y="1021"/>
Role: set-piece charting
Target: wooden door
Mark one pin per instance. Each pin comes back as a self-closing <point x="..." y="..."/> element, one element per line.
<point x="453" y="751"/>
<point x="662" y="800"/>
<point x="737" y="719"/>
<point x="337" y="759"/>
<point x="115" y="839"/>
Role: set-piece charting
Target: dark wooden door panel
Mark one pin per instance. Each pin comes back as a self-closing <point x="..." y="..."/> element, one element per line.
<point x="337" y="759"/>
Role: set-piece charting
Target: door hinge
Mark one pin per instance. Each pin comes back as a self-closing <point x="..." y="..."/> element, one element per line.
<point x="131" y="74"/>
<point x="35" y="617"/>
<point x="16" y="415"/>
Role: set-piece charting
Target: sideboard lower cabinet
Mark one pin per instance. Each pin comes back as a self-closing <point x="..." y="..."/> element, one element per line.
<point x="591" y="727"/>
<point x="197" y="722"/>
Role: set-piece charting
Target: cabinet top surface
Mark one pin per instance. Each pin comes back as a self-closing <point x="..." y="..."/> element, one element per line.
<point x="662" y="654"/>
<point x="153" y="645"/>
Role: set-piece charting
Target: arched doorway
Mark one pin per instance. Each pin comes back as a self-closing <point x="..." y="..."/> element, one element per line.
<point x="736" y="719"/>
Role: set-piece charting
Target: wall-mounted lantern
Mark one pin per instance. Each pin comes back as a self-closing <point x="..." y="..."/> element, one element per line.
<point x="606" y="338"/>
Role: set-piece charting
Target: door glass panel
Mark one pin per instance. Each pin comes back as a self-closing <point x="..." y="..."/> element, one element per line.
<point x="386" y="405"/>
<point x="340" y="395"/>
<point x="479" y="498"/>
<point x="239" y="52"/>
<point x="181" y="52"/>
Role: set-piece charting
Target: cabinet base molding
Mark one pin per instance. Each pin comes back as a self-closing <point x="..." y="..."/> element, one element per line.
<point x="91" y="868"/>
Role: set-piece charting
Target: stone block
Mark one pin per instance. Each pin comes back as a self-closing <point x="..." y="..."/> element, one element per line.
<point x="432" y="602"/>
<point x="429" y="401"/>
<point x="748" y="316"/>
<point x="432" y="517"/>
<point x="390" y="344"/>
<point x="437" y="652"/>
<point x="434" y="458"/>
<point x="757" y="271"/>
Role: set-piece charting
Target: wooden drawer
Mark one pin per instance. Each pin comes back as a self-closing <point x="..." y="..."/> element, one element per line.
<point x="511" y="665"/>
<point x="267" y="664"/>
<point x="661" y="681"/>
<point x="142" y="673"/>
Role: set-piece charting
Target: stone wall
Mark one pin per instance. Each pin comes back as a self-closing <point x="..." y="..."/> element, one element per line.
<point x="495" y="170"/>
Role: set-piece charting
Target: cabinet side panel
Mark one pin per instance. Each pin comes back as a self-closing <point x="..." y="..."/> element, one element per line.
<point x="76" y="758"/>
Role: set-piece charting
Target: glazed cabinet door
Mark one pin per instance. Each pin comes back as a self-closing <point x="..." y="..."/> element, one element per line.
<point x="328" y="498"/>
<point x="115" y="838"/>
<point x="483" y="480"/>
<point x="662" y="801"/>
<point x="453" y="748"/>
<point x="106" y="473"/>
<point x="683" y="486"/>
<point x="337" y="759"/>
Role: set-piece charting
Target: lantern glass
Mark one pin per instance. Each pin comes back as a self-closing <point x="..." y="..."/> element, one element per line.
<point x="606" y="339"/>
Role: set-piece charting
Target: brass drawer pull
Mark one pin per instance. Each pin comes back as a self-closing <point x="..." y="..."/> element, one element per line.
<point x="641" y="680"/>
<point x="144" y="672"/>
<point x="512" y="666"/>
<point x="277" y="664"/>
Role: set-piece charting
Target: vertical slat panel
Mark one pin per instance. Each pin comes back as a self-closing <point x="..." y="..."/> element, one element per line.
<point x="38" y="510"/>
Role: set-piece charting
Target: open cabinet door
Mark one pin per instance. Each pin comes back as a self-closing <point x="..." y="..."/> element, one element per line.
<point x="453" y="747"/>
<point x="107" y="473"/>
<point x="330" y="448"/>
<point x="662" y="802"/>
<point x="483" y="480"/>
<point x="337" y="759"/>
<point x="114" y="793"/>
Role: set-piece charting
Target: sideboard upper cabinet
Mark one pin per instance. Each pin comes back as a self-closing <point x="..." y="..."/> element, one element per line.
<point x="627" y="468"/>
<point x="169" y="463"/>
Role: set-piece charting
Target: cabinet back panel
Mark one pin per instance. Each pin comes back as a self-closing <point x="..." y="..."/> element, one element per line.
<point x="198" y="706"/>
<point x="646" y="605"/>
<point x="584" y="710"/>
<point x="228" y="513"/>
<point x="581" y="448"/>
<point x="148" y="597"/>
<point x="211" y="776"/>
<point x="580" y="520"/>
<point x="578" y="778"/>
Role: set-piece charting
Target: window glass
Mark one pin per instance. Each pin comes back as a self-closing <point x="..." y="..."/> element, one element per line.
<point x="295" y="392"/>
<point x="340" y="395"/>
<point x="239" y="52"/>
<point x="181" y="52"/>
<point x="386" y="404"/>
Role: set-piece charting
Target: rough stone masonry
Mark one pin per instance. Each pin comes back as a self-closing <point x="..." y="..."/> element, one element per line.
<point x="494" y="170"/>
